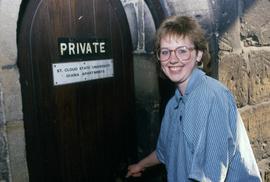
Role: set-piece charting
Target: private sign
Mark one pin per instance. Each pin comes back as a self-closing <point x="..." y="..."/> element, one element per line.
<point x="83" y="48"/>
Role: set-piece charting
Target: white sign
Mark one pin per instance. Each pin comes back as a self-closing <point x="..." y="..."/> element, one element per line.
<point x="72" y="72"/>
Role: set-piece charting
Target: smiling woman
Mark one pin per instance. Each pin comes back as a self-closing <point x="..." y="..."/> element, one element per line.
<point x="202" y="136"/>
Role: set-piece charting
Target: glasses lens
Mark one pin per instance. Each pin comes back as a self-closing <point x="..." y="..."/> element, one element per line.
<point x="182" y="53"/>
<point x="164" y="54"/>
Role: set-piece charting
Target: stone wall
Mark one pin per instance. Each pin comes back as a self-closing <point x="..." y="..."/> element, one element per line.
<point x="12" y="144"/>
<point x="244" y="66"/>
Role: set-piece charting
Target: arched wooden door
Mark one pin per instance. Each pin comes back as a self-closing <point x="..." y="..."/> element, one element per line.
<point x="76" y="73"/>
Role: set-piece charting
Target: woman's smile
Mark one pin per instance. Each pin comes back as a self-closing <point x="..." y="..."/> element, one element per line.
<point x="175" y="69"/>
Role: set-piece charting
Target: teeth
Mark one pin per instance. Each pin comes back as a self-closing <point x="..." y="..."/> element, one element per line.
<point x="175" y="68"/>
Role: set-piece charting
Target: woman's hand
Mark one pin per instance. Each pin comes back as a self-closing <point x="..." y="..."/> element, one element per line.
<point x="135" y="170"/>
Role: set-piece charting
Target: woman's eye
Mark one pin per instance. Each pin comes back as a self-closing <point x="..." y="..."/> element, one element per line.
<point x="164" y="52"/>
<point x="182" y="51"/>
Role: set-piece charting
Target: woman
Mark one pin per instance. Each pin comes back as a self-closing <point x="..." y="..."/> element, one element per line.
<point x="202" y="136"/>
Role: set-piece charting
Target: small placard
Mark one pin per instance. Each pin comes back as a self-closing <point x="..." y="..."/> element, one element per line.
<point x="72" y="72"/>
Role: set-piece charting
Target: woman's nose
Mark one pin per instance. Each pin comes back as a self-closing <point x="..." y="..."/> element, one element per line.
<point x="173" y="58"/>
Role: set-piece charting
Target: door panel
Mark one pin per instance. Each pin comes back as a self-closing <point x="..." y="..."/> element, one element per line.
<point x="81" y="131"/>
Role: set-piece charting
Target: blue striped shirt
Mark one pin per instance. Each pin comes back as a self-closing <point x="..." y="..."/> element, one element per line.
<point x="202" y="136"/>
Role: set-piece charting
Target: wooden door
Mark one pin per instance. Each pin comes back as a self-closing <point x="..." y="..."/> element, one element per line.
<point x="76" y="129"/>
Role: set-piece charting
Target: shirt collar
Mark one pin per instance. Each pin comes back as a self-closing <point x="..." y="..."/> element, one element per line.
<point x="193" y="82"/>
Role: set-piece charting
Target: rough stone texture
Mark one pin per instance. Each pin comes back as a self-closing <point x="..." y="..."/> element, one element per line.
<point x="4" y="168"/>
<point x="147" y="103"/>
<point x="255" y="26"/>
<point x="147" y="108"/>
<point x="200" y="10"/>
<point x="12" y="145"/>
<point x="131" y="12"/>
<point x="184" y="7"/>
<point x="249" y="80"/>
<point x="141" y="23"/>
<point x="257" y="121"/>
<point x="234" y="73"/>
<point x="259" y="76"/>
<point x="225" y="14"/>
<point x="230" y="40"/>
<point x="265" y="169"/>
<point x="9" y="76"/>
<point x="244" y="66"/>
<point x="16" y="142"/>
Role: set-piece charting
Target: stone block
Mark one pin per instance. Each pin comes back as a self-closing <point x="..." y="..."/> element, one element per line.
<point x="249" y="80"/>
<point x="257" y="122"/>
<point x="233" y="72"/>
<point x="141" y="23"/>
<point x="187" y="5"/>
<point x="4" y="171"/>
<point x="12" y="93"/>
<point x="259" y="62"/>
<point x="230" y="40"/>
<point x="264" y="166"/>
<point x="17" y="152"/>
<point x="130" y="10"/>
<point x="145" y="72"/>
<point x="8" y="20"/>
<point x="200" y="10"/>
<point x="255" y="25"/>
<point x="226" y="13"/>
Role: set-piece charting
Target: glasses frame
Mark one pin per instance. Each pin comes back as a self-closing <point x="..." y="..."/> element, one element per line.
<point x="190" y="49"/>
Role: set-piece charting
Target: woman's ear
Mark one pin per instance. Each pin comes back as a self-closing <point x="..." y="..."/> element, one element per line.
<point x="199" y="56"/>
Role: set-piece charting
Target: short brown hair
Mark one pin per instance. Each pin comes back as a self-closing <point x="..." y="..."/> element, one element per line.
<point x="183" y="26"/>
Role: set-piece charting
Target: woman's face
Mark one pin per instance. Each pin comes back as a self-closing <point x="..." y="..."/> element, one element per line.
<point x="176" y="69"/>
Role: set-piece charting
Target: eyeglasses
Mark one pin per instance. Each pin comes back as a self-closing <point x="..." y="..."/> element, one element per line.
<point x="183" y="53"/>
